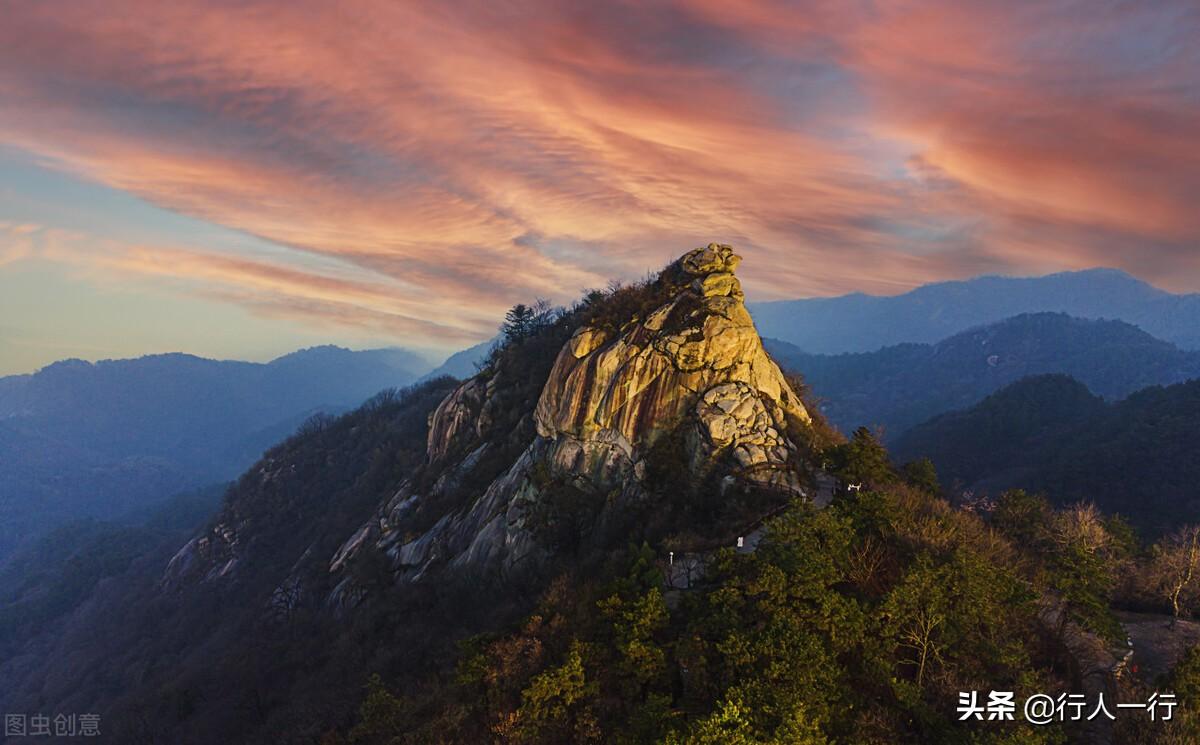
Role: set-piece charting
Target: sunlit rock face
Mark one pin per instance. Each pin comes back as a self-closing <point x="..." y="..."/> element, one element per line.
<point x="693" y="368"/>
<point x="456" y="419"/>
<point x="698" y="358"/>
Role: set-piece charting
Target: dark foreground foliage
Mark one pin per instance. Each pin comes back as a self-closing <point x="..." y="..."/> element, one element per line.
<point x="858" y="623"/>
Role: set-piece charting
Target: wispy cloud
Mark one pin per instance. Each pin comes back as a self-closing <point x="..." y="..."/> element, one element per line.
<point x="326" y="298"/>
<point x="17" y="241"/>
<point x="461" y="157"/>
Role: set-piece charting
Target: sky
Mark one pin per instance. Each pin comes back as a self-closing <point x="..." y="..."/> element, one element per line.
<point x="240" y="179"/>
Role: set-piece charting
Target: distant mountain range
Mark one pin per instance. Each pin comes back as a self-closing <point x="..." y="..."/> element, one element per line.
<point x="900" y="386"/>
<point x="80" y="439"/>
<point x="463" y="364"/>
<point x="97" y="440"/>
<point x="1050" y="433"/>
<point x="862" y="323"/>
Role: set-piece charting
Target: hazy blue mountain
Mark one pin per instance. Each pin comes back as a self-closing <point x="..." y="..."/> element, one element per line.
<point x="862" y="323"/>
<point x="900" y="386"/>
<point x="46" y="581"/>
<point x="461" y="365"/>
<point x="1049" y="433"/>
<point x="79" y="439"/>
<point x="84" y="612"/>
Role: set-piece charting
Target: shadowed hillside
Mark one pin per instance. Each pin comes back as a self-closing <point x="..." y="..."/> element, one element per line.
<point x="1136" y="457"/>
<point x="901" y="386"/>
<point x="99" y="440"/>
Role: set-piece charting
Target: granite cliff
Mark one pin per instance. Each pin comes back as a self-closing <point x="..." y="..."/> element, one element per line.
<point x="688" y="366"/>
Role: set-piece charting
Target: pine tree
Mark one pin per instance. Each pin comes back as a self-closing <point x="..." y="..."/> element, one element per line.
<point x="518" y="322"/>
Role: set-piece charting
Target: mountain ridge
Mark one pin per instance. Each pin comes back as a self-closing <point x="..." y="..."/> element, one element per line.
<point x="647" y="412"/>
<point x="861" y="323"/>
<point x="115" y="435"/>
<point x="677" y="358"/>
<point x="1051" y="434"/>
<point x="903" y="385"/>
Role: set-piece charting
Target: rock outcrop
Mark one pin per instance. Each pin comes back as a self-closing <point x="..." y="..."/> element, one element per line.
<point x="691" y="366"/>
<point x="697" y="357"/>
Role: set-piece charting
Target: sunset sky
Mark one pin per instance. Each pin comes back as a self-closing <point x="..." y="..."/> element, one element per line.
<point x="238" y="179"/>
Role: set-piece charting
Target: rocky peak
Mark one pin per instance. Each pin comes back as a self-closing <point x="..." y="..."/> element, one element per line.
<point x="696" y="356"/>
<point x="687" y="364"/>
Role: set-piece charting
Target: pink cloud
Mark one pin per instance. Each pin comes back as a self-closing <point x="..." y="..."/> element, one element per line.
<point x="471" y="156"/>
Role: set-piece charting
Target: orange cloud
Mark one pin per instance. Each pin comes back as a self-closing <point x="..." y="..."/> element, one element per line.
<point x="1070" y="125"/>
<point x="463" y="157"/>
<point x="329" y="297"/>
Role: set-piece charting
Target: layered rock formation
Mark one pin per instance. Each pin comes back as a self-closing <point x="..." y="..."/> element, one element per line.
<point x="693" y="367"/>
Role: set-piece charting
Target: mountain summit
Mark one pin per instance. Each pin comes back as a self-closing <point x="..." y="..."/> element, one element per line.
<point x="644" y="418"/>
<point x="697" y="355"/>
<point x="673" y="365"/>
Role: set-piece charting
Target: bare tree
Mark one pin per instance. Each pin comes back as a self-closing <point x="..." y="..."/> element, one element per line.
<point x="921" y="637"/>
<point x="866" y="563"/>
<point x="1176" y="568"/>
<point x="1081" y="526"/>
